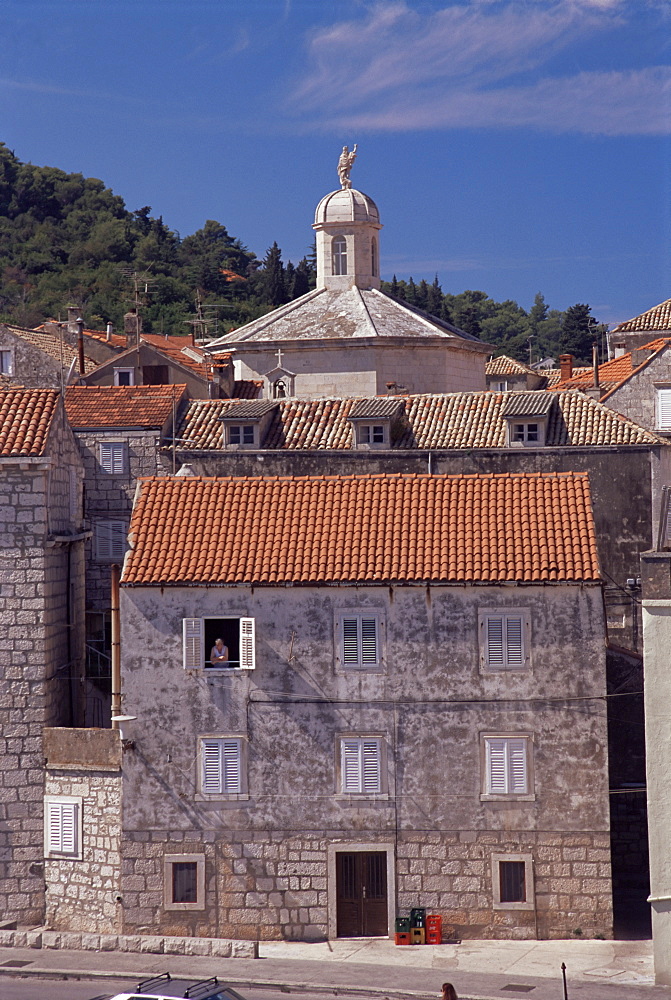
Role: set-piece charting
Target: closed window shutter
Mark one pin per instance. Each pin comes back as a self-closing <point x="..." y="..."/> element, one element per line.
<point x="211" y="759"/>
<point x="350" y="640"/>
<point x="517" y="766"/>
<point x="369" y="640"/>
<point x="111" y="457"/>
<point x="232" y="775"/>
<point x="62" y="827"/>
<point x="371" y="765"/>
<point x="192" y="633"/>
<point x="514" y="643"/>
<point x="110" y="539"/>
<point x="351" y="765"/>
<point x="496" y="767"/>
<point x="247" y="644"/>
<point x="664" y="401"/>
<point x="495" y="653"/>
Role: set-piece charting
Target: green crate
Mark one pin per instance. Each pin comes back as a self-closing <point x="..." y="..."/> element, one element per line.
<point x="402" y="925"/>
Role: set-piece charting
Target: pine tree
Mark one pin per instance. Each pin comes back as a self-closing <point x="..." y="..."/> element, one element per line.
<point x="434" y="299"/>
<point x="273" y="275"/>
<point x="411" y="292"/>
<point x="422" y="294"/>
<point x="578" y="333"/>
<point x="393" y="289"/>
<point x="301" y="278"/>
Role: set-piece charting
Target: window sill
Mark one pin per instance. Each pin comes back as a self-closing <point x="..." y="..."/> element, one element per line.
<point x="513" y="906"/>
<point x="219" y="797"/>
<point x="184" y="906"/>
<point x="363" y="799"/>
<point x="366" y="668"/>
<point x="488" y="797"/>
<point x="223" y="670"/>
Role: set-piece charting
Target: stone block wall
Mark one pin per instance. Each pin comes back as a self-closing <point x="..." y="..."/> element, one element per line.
<point x="81" y="894"/>
<point x="276" y="886"/>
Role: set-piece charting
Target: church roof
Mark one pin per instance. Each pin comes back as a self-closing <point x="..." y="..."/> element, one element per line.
<point x="350" y="314"/>
<point x="347" y="205"/>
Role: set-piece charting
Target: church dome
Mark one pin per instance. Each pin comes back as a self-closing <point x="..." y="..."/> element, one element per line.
<point x="345" y="206"/>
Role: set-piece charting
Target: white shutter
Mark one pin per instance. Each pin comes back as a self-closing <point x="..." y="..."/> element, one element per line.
<point x="664" y="408"/>
<point x="350" y="640"/>
<point x="112" y="456"/>
<point x="110" y="539"/>
<point x="517" y="766"/>
<point x="514" y="642"/>
<point x="232" y="773"/>
<point x="192" y="634"/>
<point x="495" y="654"/>
<point x="62" y="827"/>
<point x="369" y="640"/>
<point x="211" y="761"/>
<point x="496" y="767"/>
<point x="370" y="766"/>
<point x="247" y="644"/>
<point x="351" y="765"/>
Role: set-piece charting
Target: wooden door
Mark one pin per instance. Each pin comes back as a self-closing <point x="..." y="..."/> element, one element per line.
<point x="361" y="888"/>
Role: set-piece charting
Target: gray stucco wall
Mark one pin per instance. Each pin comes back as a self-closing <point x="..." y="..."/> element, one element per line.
<point x="267" y="856"/>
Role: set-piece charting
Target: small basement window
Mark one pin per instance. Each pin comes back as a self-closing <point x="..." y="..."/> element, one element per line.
<point x="512" y="882"/>
<point x="219" y="643"/>
<point x="184" y="882"/>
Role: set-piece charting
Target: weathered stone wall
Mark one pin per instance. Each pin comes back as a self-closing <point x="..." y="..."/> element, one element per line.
<point x="265" y="852"/>
<point x="637" y="398"/>
<point x="81" y="894"/>
<point x="31" y="367"/>
<point x="41" y="653"/>
<point x="110" y="496"/>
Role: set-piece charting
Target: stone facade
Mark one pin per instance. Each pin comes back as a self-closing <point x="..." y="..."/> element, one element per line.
<point x="41" y="648"/>
<point x="268" y="854"/>
<point x="637" y="397"/>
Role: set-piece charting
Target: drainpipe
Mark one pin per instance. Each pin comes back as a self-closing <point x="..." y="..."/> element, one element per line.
<point x="116" y="648"/>
<point x="80" y="345"/>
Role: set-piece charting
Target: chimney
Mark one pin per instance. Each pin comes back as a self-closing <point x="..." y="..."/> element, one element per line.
<point x="619" y="349"/>
<point x="80" y="344"/>
<point x="565" y="367"/>
<point x="132" y="327"/>
<point x="73" y="319"/>
<point x="109" y="332"/>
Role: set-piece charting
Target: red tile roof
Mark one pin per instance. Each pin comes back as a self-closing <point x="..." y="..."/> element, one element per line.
<point x="440" y="421"/>
<point x="503" y="365"/>
<point x="121" y="406"/>
<point x="181" y="349"/>
<point x="611" y="373"/>
<point x="26" y="416"/>
<point x="247" y="388"/>
<point x="656" y="319"/>
<point x="353" y="529"/>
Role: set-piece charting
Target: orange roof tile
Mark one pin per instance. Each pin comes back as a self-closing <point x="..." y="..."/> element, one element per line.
<point x="121" y="405"/>
<point x="353" y="529"/>
<point x="181" y="349"/>
<point x="657" y="318"/>
<point x="440" y="421"/>
<point x="26" y="416"/>
<point x="611" y="373"/>
<point x="503" y="365"/>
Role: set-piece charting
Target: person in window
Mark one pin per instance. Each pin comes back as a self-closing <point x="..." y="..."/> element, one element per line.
<point x="219" y="654"/>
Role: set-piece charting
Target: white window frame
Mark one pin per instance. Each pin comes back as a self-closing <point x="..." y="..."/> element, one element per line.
<point x="110" y="540"/>
<point x="361" y="766"/>
<point x="63" y="827"/>
<point x="370" y="434"/>
<point x="113" y="457"/>
<point x="239" y="431"/>
<point x="9" y="370"/>
<point x="507" y="767"/>
<point x="124" y="371"/>
<point x="171" y="859"/>
<point x="539" y="423"/>
<point x="196" y="657"/>
<point x="510" y="655"/>
<point x="664" y="409"/>
<point x="501" y="386"/>
<point x="530" y="895"/>
<point x="362" y="618"/>
<point x="339" y="256"/>
<point x="222" y="767"/>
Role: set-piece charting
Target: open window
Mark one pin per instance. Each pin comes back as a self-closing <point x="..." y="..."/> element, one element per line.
<point x="203" y="651"/>
<point x="124" y="376"/>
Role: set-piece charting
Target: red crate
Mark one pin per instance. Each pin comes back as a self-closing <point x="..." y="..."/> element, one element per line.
<point x="434" y="937"/>
<point x="402" y="937"/>
<point x="434" y="921"/>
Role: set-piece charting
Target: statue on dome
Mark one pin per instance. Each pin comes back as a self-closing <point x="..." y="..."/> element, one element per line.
<point x="345" y="164"/>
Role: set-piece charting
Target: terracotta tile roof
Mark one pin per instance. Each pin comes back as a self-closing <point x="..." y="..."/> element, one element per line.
<point x="26" y="416"/>
<point x="51" y="345"/>
<point x="247" y="388"/>
<point x="116" y="339"/>
<point x="121" y="406"/>
<point x="657" y="318"/>
<point x="335" y="529"/>
<point x="181" y="349"/>
<point x="553" y="375"/>
<point x="527" y="404"/>
<point x="503" y="365"/>
<point x="381" y="407"/>
<point x="441" y="421"/>
<point x="611" y="373"/>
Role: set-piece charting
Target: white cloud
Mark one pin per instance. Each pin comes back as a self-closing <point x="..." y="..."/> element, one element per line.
<point x="477" y="65"/>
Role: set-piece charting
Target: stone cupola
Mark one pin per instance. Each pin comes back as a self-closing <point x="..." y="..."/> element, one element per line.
<point x="347" y="223"/>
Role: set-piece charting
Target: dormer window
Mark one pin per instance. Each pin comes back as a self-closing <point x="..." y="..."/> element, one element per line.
<point x="339" y="250"/>
<point x="241" y="434"/>
<point x="525" y="433"/>
<point x="372" y="434"/>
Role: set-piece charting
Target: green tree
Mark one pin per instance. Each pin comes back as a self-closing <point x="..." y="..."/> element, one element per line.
<point x="577" y="333"/>
<point x="273" y="277"/>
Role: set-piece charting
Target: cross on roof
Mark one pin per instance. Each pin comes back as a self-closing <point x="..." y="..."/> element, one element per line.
<point x="279" y="358"/>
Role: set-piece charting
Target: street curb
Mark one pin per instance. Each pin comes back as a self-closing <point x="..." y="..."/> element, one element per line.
<point x="268" y="984"/>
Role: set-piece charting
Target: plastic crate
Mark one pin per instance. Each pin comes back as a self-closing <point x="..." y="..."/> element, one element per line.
<point x="434" y="920"/>
<point x="402" y="937"/>
<point x="434" y="936"/>
<point x="402" y="924"/>
<point x="418" y="917"/>
<point x="418" y="935"/>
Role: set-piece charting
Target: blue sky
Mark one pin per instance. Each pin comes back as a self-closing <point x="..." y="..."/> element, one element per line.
<point x="512" y="146"/>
